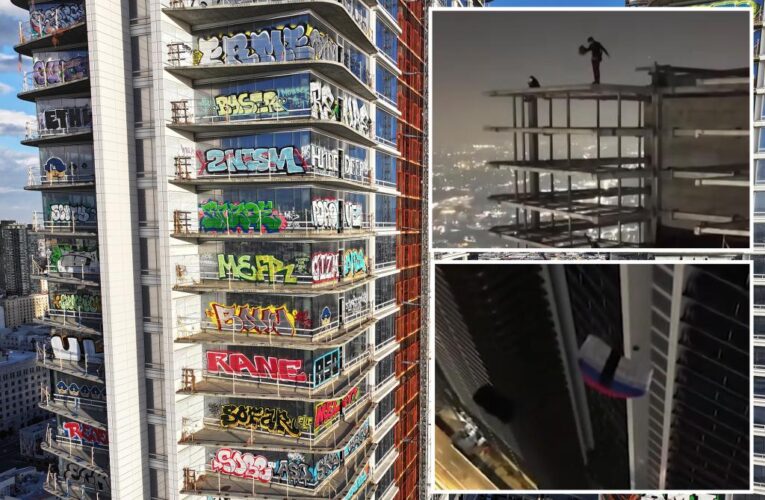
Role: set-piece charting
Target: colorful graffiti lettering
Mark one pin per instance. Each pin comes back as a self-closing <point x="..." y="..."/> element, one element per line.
<point x="326" y="316"/>
<point x="249" y="103"/>
<point x="357" y="440"/>
<point x="260" y="418"/>
<point x="46" y="21"/>
<point x="73" y="259"/>
<point x="324" y="104"/>
<point x="80" y="390"/>
<point x="326" y="367"/>
<point x="73" y="352"/>
<point x="74" y="302"/>
<point x="326" y="465"/>
<point x="244" y="465"/>
<point x="325" y="214"/>
<point x="294" y="471"/>
<point x="66" y="118"/>
<point x="55" y="71"/>
<point x="240" y="217"/>
<point x="267" y="320"/>
<point x="324" y="160"/>
<point x="55" y="168"/>
<point x="85" y="433"/>
<point x="352" y="215"/>
<point x="61" y="212"/>
<point x="354" y="263"/>
<point x="281" y="43"/>
<point x="287" y="160"/>
<point x="266" y="268"/>
<point x="358" y="483"/>
<point x="326" y="412"/>
<point x="80" y="475"/>
<point x="324" y="267"/>
<point x="756" y="5"/>
<point x="350" y="397"/>
<point x="236" y="363"/>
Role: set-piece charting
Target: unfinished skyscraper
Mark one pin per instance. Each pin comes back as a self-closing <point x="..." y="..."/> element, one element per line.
<point x="664" y="165"/>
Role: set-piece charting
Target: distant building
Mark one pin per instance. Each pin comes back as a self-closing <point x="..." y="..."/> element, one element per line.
<point x="20" y="381"/>
<point x="22" y="484"/>
<point x="15" y="261"/>
<point x="16" y="311"/>
<point x="30" y="438"/>
<point x="24" y="337"/>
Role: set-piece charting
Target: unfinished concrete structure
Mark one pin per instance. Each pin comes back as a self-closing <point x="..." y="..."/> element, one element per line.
<point x="664" y="165"/>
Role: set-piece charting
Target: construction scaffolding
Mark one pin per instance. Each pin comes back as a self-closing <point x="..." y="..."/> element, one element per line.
<point x="629" y="166"/>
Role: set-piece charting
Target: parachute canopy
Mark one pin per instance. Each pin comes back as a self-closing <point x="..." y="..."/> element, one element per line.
<point x="610" y="373"/>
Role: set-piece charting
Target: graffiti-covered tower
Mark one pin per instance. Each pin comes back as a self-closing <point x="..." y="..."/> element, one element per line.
<point x="232" y="200"/>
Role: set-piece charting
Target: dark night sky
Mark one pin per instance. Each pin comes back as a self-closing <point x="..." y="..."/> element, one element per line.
<point x="475" y="51"/>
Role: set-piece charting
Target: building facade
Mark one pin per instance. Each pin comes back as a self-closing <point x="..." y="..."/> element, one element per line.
<point x="16" y="311"/>
<point x="232" y="210"/>
<point x="14" y="258"/>
<point x="20" y="381"/>
<point x="688" y="323"/>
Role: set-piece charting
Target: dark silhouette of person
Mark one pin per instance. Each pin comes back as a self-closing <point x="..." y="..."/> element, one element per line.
<point x="597" y="50"/>
<point x="533" y="82"/>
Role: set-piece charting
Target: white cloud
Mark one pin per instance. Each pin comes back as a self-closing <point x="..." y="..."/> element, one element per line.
<point x="14" y="123"/>
<point x="19" y="159"/>
<point x="5" y="88"/>
<point x="6" y="190"/>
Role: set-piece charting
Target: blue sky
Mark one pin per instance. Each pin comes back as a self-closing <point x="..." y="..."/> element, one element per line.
<point x="14" y="113"/>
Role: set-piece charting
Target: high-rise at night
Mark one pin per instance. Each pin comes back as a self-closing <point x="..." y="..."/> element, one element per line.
<point x="232" y="206"/>
<point x="517" y="333"/>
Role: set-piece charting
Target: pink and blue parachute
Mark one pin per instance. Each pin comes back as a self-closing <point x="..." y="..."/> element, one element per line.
<point x="608" y="372"/>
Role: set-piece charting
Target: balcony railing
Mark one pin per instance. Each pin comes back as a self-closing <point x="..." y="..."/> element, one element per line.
<point x="203" y="111"/>
<point x="39" y="224"/>
<point x="65" y="488"/>
<point x="37" y="179"/>
<point x="34" y="80"/>
<point x="361" y="20"/>
<point x="289" y="222"/>
<point x="30" y="31"/>
<point x="33" y="132"/>
<point x="244" y="384"/>
<point x="184" y="171"/>
<point x="192" y="274"/>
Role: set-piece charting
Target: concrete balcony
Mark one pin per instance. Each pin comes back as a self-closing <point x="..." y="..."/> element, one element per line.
<point x="352" y="24"/>
<point x="32" y="39"/>
<point x="85" y="369"/>
<point x="75" y="321"/>
<point x="332" y="439"/>
<point x="68" y="490"/>
<point x="70" y="409"/>
<point x="336" y="71"/>
<point x="199" y="381"/>
<point x="344" y="483"/>
<point x="189" y="115"/>
<point x="31" y="89"/>
<point x="38" y="182"/>
<point x="36" y="137"/>
<point x="71" y="227"/>
<point x="322" y="337"/>
<point x="186" y="178"/>
<point x="188" y="227"/>
<point x="208" y="281"/>
<point x="95" y="459"/>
